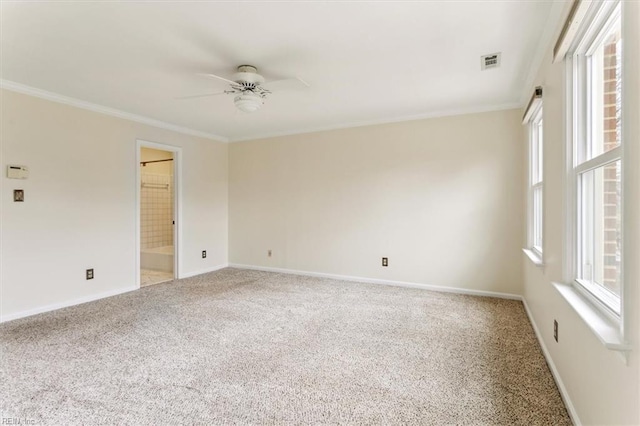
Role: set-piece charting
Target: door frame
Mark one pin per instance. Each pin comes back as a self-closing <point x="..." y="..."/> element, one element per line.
<point x="177" y="203"/>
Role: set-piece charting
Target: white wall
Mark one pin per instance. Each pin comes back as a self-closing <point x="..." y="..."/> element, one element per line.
<point x="80" y="203"/>
<point x="600" y="387"/>
<point x="441" y="198"/>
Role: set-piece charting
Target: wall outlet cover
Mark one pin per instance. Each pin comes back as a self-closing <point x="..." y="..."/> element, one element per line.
<point x="18" y="195"/>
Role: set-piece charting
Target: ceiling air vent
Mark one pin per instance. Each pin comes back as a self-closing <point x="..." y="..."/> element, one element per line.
<point x="490" y="61"/>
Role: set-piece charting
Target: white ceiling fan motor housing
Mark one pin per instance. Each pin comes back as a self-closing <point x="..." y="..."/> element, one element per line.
<point x="248" y="74"/>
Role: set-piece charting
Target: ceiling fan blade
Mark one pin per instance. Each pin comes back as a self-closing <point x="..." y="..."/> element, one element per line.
<point x="287" y="84"/>
<point x="199" y="96"/>
<point x="218" y="77"/>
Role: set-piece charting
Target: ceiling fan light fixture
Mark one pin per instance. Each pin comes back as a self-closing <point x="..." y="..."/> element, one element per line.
<point x="248" y="102"/>
<point x="247" y="87"/>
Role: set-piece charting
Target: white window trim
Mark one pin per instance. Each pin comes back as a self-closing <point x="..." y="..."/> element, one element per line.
<point x="532" y="116"/>
<point x="601" y="320"/>
<point x="534" y="257"/>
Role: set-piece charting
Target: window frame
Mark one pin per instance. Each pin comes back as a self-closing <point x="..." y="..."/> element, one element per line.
<point x="536" y="182"/>
<point x="598" y="23"/>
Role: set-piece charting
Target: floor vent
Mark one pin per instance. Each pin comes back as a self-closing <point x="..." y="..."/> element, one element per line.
<point x="490" y="61"/>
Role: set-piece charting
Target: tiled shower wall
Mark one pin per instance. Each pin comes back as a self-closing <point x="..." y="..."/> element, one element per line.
<point x="156" y="210"/>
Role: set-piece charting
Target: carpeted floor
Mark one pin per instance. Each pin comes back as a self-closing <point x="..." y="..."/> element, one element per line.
<point x="240" y="347"/>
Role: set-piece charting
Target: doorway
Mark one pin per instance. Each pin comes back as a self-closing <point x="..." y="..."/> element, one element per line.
<point x="157" y="213"/>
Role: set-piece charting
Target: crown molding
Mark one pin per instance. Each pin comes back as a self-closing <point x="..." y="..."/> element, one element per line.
<point x="55" y="97"/>
<point x="43" y="94"/>
<point x="434" y="114"/>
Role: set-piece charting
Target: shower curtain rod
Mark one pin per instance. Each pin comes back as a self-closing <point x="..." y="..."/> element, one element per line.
<point x="144" y="163"/>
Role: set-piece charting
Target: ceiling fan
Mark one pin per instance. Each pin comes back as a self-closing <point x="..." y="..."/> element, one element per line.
<point x="250" y="88"/>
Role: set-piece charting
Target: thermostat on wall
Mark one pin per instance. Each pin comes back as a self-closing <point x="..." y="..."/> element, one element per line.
<point x="17" y="172"/>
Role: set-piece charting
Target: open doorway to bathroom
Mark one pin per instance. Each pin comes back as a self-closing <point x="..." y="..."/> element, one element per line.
<point x="157" y="214"/>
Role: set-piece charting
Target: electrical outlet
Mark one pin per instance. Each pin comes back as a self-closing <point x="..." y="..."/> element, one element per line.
<point x="18" y="195"/>
<point x="385" y="261"/>
<point x="90" y="274"/>
<point x="555" y="330"/>
<point x="269" y="253"/>
<point x="204" y="254"/>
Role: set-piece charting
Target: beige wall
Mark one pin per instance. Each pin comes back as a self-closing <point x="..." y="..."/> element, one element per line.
<point x="80" y="203"/>
<point x="441" y="198"/>
<point x="602" y="390"/>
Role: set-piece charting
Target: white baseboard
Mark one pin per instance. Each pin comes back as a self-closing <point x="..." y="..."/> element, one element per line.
<point x="203" y="271"/>
<point x="91" y="298"/>
<point x="554" y="371"/>
<point x="381" y="281"/>
<point x="65" y="304"/>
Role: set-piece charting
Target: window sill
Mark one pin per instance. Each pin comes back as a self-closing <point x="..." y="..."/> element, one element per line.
<point x="606" y="329"/>
<point x="534" y="257"/>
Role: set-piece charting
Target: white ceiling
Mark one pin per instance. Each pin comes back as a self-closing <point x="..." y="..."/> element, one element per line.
<point x="366" y="62"/>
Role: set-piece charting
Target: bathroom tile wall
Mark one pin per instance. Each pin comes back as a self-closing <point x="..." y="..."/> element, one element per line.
<point x="156" y="210"/>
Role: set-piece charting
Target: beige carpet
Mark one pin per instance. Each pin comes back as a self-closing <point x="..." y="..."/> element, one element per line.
<point x="246" y="347"/>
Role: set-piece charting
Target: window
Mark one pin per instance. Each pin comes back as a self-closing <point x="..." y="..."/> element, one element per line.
<point x="533" y="119"/>
<point x="597" y="160"/>
<point x="535" y="184"/>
